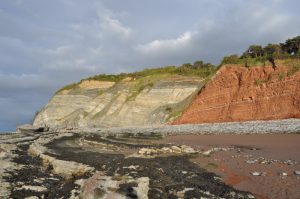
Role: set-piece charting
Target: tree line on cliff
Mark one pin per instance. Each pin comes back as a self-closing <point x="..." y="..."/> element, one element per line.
<point x="290" y="49"/>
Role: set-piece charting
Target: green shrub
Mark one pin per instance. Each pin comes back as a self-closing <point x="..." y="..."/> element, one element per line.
<point x="105" y="77"/>
<point x="231" y="59"/>
<point x="68" y="87"/>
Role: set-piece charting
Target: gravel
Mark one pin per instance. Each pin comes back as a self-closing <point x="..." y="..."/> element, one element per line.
<point x="287" y="126"/>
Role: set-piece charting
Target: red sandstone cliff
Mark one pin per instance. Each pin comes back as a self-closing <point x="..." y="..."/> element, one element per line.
<point x="241" y="94"/>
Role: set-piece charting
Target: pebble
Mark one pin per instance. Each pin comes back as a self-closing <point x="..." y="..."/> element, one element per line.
<point x="188" y="149"/>
<point x="133" y="167"/>
<point x="232" y="194"/>
<point x="253" y="127"/>
<point x="283" y="174"/>
<point x="207" y="153"/>
<point x="147" y="151"/>
<point x="172" y="149"/>
<point x="265" y="162"/>
<point x="32" y="197"/>
<point x="33" y="188"/>
<point x="251" y="161"/>
<point x="161" y="170"/>
<point x="250" y="196"/>
<point x="256" y="173"/>
<point x="297" y="172"/>
<point x="290" y="162"/>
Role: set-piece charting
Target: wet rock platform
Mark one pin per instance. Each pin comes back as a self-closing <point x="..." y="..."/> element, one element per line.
<point x="88" y="165"/>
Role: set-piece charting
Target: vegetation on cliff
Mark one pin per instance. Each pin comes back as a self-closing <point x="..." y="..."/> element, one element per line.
<point x="256" y="55"/>
<point x="148" y="76"/>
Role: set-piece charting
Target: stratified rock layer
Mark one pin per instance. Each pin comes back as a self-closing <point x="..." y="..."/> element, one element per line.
<point x="243" y="94"/>
<point x="130" y="102"/>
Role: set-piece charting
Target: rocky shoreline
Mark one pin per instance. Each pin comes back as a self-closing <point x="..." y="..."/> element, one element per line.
<point x="129" y="162"/>
<point x="70" y="165"/>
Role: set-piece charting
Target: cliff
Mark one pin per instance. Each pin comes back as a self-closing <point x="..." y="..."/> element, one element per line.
<point x="238" y="93"/>
<point x="160" y="96"/>
<point x="149" y="100"/>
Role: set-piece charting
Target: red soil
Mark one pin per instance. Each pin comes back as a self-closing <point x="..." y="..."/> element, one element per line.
<point x="242" y="94"/>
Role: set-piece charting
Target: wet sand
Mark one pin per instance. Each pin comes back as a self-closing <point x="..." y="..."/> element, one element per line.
<point x="272" y="155"/>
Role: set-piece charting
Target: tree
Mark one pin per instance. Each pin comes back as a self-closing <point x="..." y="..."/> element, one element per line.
<point x="198" y="64"/>
<point x="254" y="51"/>
<point x="291" y="46"/>
<point x="273" y="50"/>
<point x="231" y="59"/>
<point x="187" y="65"/>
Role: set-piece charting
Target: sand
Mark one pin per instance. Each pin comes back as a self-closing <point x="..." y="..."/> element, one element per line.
<point x="232" y="166"/>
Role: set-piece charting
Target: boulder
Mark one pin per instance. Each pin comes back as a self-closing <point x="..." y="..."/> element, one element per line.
<point x="187" y="149"/>
<point x="176" y="149"/>
<point x="28" y="128"/>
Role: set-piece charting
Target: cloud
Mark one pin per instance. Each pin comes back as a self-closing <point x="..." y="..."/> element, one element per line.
<point x="216" y="37"/>
<point x="41" y="51"/>
<point x="60" y="50"/>
<point x="168" y="45"/>
<point x="115" y="27"/>
<point x="24" y="81"/>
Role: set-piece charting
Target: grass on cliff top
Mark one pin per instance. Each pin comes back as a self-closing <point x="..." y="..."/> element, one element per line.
<point x="147" y="77"/>
<point x="294" y="65"/>
<point x="246" y="62"/>
<point x="171" y="70"/>
<point x="260" y="61"/>
<point x="68" y="87"/>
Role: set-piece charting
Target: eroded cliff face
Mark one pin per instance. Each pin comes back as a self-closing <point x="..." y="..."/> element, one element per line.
<point x="241" y="94"/>
<point x="130" y="102"/>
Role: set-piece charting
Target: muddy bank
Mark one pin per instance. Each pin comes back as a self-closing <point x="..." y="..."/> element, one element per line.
<point x="274" y="158"/>
<point x="281" y="146"/>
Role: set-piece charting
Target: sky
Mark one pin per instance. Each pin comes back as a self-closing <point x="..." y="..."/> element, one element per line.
<point x="45" y="45"/>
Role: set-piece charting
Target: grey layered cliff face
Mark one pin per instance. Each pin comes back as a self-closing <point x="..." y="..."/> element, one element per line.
<point x="129" y="102"/>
